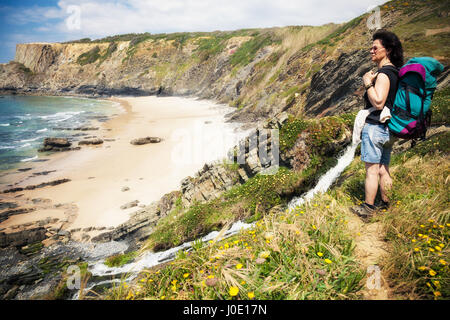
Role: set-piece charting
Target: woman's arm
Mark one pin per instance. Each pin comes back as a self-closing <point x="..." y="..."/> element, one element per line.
<point x="378" y="93"/>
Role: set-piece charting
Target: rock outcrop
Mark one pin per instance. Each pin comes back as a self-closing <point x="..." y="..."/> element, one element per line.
<point x="337" y="86"/>
<point x="35" y="186"/>
<point x="90" y="142"/>
<point x="146" y="140"/>
<point x="22" y="238"/>
<point x="252" y="156"/>
<point x="56" y="144"/>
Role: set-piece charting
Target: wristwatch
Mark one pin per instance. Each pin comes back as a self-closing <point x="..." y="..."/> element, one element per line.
<point x="367" y="86"/>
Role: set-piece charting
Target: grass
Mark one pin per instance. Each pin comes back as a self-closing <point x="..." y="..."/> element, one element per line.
<point x="335" y="36"/>
<point x="247" y="51"/>
<point x="109" y="51"/>
<point x="89" y="57"/>
<point x="304" y="254"/>
<point x="257" y="195"/>
<point x="308" y="253"/>
<point x="440" y="107"/>
<point x="120" y="259"/>
<point x="417" y="223"/>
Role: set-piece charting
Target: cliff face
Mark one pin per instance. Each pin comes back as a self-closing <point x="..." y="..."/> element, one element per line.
<point x="262" y="72"/>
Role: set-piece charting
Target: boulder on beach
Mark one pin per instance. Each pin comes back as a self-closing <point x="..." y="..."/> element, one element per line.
<point x="90" y="142"/>
<point x="56" y="144"/>
<point x="130" y="205"/>
<point x="145" y="140"/>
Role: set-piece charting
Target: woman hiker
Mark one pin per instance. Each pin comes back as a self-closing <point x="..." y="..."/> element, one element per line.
<point x="376" y="143"/>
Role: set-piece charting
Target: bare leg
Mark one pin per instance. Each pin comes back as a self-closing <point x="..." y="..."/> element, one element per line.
<point x="385" y="182"/>
<point x="371" y="183"/>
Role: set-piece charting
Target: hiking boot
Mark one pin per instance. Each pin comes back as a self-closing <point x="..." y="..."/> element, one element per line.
<point x="382" y="206"/>
<point x="363" y="211"/>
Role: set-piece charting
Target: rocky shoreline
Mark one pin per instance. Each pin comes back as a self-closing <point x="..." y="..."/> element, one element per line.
<point x="29" y="244"/>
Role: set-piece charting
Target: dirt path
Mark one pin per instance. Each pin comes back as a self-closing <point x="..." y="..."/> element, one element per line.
<point x="369" y="250"/>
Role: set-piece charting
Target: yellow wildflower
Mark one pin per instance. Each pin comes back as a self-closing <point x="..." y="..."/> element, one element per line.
<point x="432" y="273"/>
<point x="314" y="227"/>
<point x="441" y="245"/>
<point x="416" y="249"/>
<point x="413" y="240"/>
<point x="443" y="262"/>
<point x="234" y="291"/>
<point x="185" y="275"/>
<point x="320" y="254"/>
<point x="174" y="282"/>
<point x="211" y="277"/>
<point x="251" y="295"/>
<point x="438" y="248"/>
<point x="431" y="249"/>
<point x="437" y="294"/>
<point x="239" y="266"/>
<point x="328" y="261"/>
<point x="163" y="297"/>
<point x="422" y="268"/>
<point x="268" y="236"/>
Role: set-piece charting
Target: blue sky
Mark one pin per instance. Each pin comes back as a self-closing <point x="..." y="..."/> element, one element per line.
<point x="23" y="21"/>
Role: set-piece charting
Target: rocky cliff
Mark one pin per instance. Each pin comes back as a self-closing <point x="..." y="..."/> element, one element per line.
<point x="262" y="72"/>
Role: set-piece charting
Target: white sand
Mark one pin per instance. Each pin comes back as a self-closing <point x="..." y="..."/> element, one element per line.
<point x="150" y="170"/>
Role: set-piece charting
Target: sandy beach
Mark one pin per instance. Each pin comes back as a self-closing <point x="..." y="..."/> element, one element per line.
<point x="192" y="131"/>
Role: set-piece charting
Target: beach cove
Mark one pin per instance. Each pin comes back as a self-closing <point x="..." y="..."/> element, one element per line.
<point x="111" y="180"/>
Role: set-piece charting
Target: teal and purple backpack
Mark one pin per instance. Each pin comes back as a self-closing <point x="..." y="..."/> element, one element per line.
<point x="411" y="113"/>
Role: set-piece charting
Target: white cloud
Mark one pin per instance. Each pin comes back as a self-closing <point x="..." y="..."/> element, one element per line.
<point x="101" y="18"/>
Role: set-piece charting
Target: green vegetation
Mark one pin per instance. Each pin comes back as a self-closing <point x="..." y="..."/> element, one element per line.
<point x="119" y="260"/>
<point x="61" y="292"/>
<point x="210" y="46"/>
<point x="440" y="107"/>
<point x="22" y="68"/>
<point x="260" y="193"/>
<point x="337" y="35"/>
<point x="303" y="254"/>
<point x="308" y="253"/>
<point x="89" y="57"/>
<point x="417" y="222"/>
<point x="313" y="69"/>
<point x="247" y="51"/>
<point x="111" y="49"/>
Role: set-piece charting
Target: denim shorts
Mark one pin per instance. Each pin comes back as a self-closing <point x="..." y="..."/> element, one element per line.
<point x="376" y="144"/>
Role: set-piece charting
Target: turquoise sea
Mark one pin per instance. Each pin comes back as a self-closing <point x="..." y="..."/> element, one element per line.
<point x="26" y="120"/>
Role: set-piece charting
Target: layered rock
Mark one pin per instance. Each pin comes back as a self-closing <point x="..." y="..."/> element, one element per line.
<point x="337" y="87"/>
<point x="22" y="238"/>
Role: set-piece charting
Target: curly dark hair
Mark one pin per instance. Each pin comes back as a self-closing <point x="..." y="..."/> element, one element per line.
<point x="392" y="43"/>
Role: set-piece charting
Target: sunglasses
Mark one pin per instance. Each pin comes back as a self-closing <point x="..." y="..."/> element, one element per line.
<point x="375" y="48"/>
